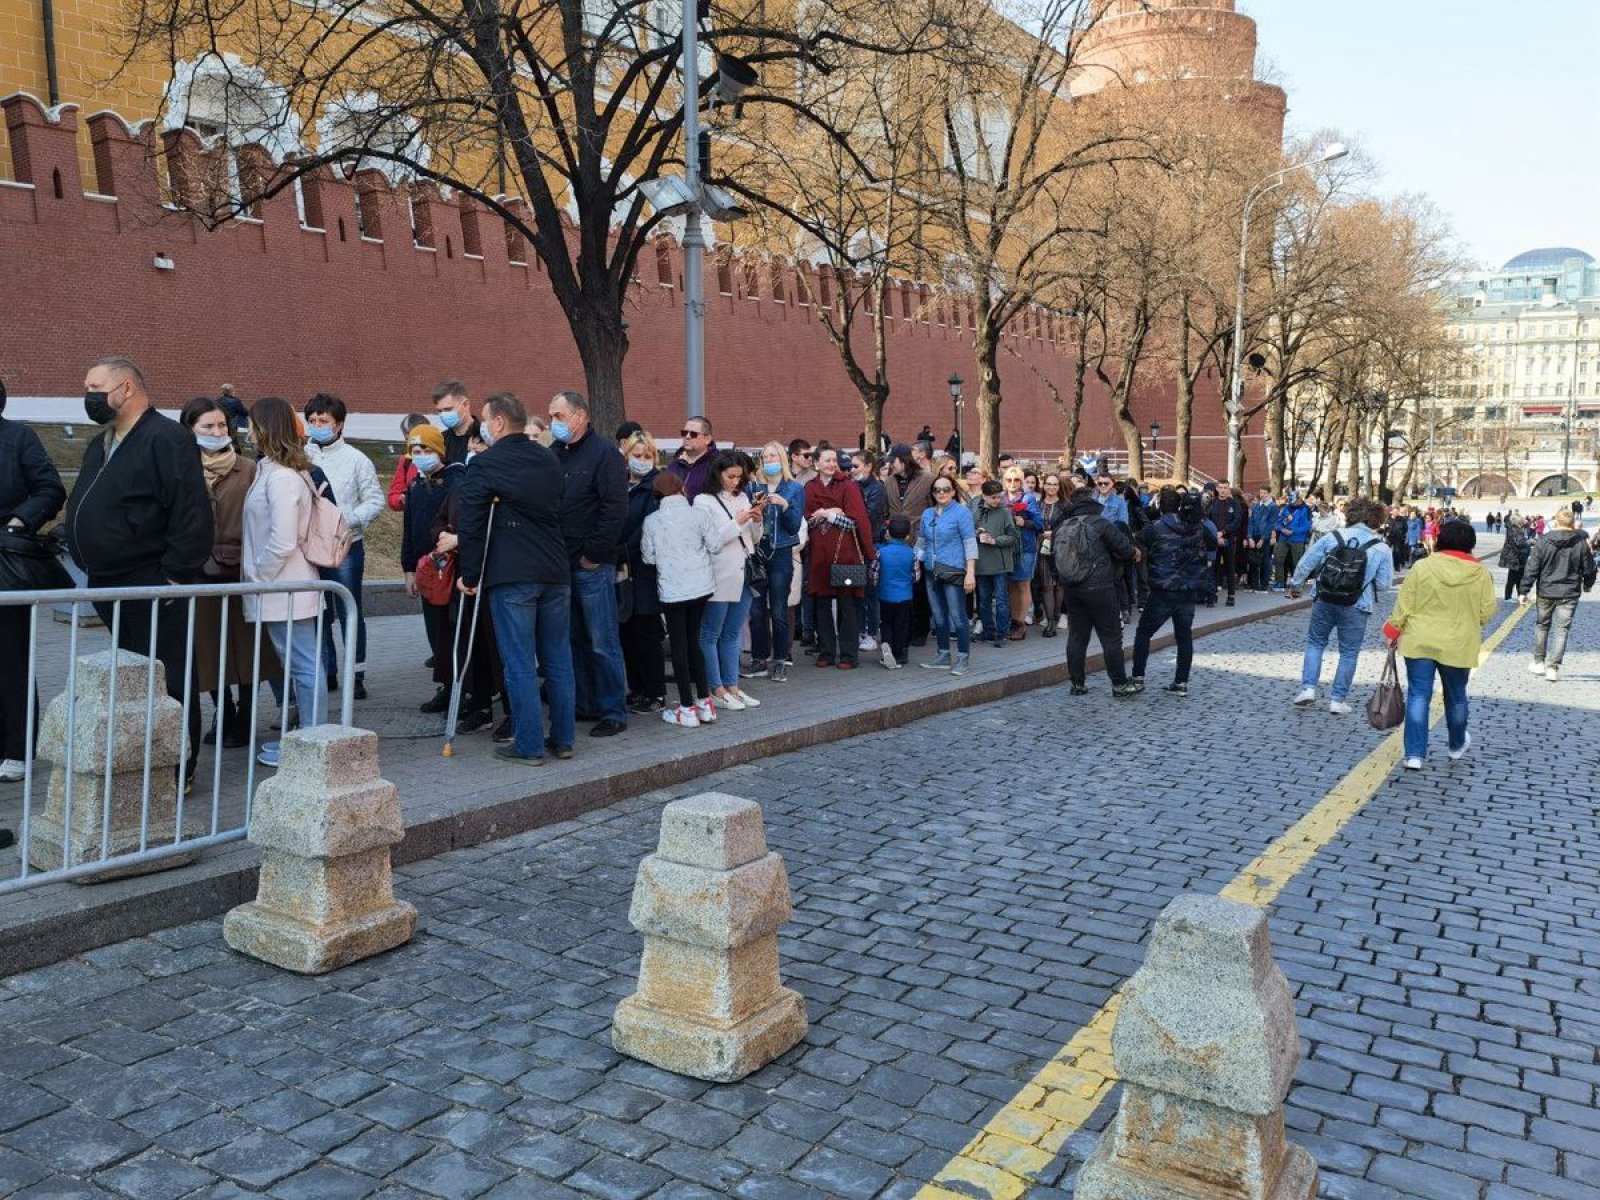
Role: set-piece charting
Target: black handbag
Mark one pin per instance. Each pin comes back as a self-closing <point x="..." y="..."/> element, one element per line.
<point x="31" y="562"/>
<point x="755" y="567"/>
<point x="847" y="575"/>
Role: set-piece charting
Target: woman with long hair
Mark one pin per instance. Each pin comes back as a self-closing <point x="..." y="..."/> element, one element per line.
<point x="782" y="519"/>
<point x="679" y="541"/>
<point x="278" y="511"/>
<point x="1054" y="501"/>
<point x="1024" y="506"/>
<point x="641" y="632"/>
<point x="725" y="502"/>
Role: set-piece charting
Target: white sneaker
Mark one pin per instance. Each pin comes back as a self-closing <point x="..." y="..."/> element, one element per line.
<point x="888" y="659"/>
<point x="1465" y="746"/>
<point x="1339" y="708"/>
<point x="685" y="717"/>
<point x="1413" y="764"/>
<point x="12" y="770"/>
<point x="705" y="711"/>
<point x="1305" y="697"/>
<point x="1536" y="667"/>
<point x="746" y="698"/>
<point x="977" y="629"/>
<point x="869" y="644"/>
<point x="1061" y="622"/>
<point x="1552" y="673"/>
<point x="1029" y="618"/>
<point x="730" y="701"/>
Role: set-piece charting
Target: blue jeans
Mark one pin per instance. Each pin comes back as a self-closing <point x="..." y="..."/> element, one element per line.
<point x="1351" y="625"/>
<point x="296" y="644"/>
<point x="1419" y="695"/>
<point x="769" y="610"/>
<point x="719" y="639"/>
<point x="349" y="573"/>
<point x="994" y="606"/>
<point x="532" y="624"/>
<point x="601" y="679"/>
<point x="949" y="604"/>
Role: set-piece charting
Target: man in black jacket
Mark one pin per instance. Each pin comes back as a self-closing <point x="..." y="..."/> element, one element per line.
<point x="140" y="516"/>
<point x="516" y="484"/>
<point x="1228" y="516"/>
<point x="594" y="505"/>
<point x="1179" y="548"/>
<point x="1089" y="553"/>
<point x="1562" y="565"/>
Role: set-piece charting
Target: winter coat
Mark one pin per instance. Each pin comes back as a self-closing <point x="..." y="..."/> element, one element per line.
<point x="831" y="544"/>
<point x="144" y="512"/>
<point x="525" y="544"/>
<point x="425" y="500"/>
<point x="594" y="497"/>
<point x="1001" y="557"/>
<point x="277" y="516"/>
<point x="354" y="481"/>
<point x="1108" y="546"/>
<point x="1514" y="552"/>
<point x="875" y="497"/>
<point x="735" y="542"/>
<point x="1179" y="554"/>
<point x="642" y="501"/>
<point x="1561" y="564"/>
<point x="696" y="476"/>
<point x="1294" y="523"/>
<point x="1444" y="605"/>
<point x="404" y="475"/>
<point x="681" y="542"/>
<point x="30" y="485"/>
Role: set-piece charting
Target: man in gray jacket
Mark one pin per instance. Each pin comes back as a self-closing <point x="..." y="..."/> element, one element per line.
<point x="1562" y="566"/>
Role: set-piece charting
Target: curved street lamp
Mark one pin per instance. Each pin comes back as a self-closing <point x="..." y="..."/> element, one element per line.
<point x="1236" y="384"/>
<point x="954" y="383"/>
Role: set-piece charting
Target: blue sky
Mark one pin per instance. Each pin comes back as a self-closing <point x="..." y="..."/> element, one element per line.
<point x="1485" y="106"/>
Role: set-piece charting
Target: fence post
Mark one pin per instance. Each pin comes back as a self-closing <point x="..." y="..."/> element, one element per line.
<point x="326" y="822"/>
<point x="1205" y="1043"/>
<point x="710" y="903"/>
<point x="85" y="719"/>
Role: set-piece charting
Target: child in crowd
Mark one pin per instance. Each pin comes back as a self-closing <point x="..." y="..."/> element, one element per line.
<point x="895" y="560"/>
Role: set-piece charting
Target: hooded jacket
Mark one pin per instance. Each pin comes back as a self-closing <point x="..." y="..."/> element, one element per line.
<point x="1445" y="602"/>
<point x="1294" y="523"/>
<point x="1561" y="564"/>
<point x="1514" y="554"/>
<point x="1179" y="553"/>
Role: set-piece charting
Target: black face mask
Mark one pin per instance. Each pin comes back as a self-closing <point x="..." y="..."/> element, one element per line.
<point x="97" y="407"/>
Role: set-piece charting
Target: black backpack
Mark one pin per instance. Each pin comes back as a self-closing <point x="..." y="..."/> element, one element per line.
<point x="1075" y="550"/>
<point x="1344" y="573"/>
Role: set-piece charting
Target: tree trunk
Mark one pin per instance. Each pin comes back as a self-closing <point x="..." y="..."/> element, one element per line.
<point x="1352" y="483"/>
<point x="875" y="398"/>
<point x="1276" y="446"/>
<point x="1336" y="446"/>
<point x="987" y="355"/>
<point x="1183" y="416"/>
<point x="602" y="345"/>
<point x="1080" y="378"/>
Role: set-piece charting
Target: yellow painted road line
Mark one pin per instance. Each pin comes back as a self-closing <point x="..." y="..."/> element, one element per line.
<point x="1021" y="1140"/>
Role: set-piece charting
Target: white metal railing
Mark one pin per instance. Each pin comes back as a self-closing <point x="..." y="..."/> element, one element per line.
<point x="229" y="815"/>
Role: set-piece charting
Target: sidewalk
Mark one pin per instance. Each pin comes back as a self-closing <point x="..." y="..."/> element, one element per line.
<point x="474" y="798"/>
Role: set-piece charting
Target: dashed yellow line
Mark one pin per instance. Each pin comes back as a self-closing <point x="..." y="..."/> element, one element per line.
<point x="1021" y="1140"/>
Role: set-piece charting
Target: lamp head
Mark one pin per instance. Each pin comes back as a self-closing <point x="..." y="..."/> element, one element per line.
<point x="1336" y="150"/>
<point x="955" y="384"/>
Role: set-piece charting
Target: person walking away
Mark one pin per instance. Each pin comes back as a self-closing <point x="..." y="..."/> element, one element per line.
<point x="681" y="542"/>
<point x="1289" y="538"/>
<point x="594" y="507"/>
<point x="1561" y="566"/>
<point x="693" y="463"/>
<point x="140" y="516"/>
<point x="1053" y="504"/>
<point x="1025" y="515"/>
<point x="1445" y="604"/>
<point x="1262" y="520"/>
<point x="278" y="513"/>
<point x="839" y="537"/>
<point x="641" y="625"/>
<point x="31" y="494"/>
<point x="1228" y="515"/>
<point x="875" y="496"/>
<point x="1351" y="567"/>
<point x="1514" y="552"/>
<point x="510" y="545"/>
<point x="1090" y="552"/>
<point x="947" y="559"/>
<point x="782" y="519"/>
<point x="1179" y="548"/>
<point x="229" y="476"/>
<point x="453" y="409"/>
<point x="356" y="491"/>
<point x="727" y="504"/>
<point x="425" y="501"/>
<point x="998" y="540"/>
<point x="896" y="580"/>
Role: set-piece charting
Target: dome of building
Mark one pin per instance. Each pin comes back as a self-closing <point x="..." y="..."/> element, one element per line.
<point x="1545" y="258"/>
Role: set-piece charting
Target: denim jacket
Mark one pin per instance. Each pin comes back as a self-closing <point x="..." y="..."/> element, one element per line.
<point x="780" y="528"/>
<point x="948" y="538"/>
<point x="1380" y="561"/>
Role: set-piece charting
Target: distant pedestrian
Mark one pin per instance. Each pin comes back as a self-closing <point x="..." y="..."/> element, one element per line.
<point x="1090" y="551"/>
<point x="1562" y="567"/>
<point x="1514" y="553"/>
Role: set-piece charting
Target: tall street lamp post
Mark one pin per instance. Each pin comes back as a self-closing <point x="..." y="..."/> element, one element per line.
<point x="955" y="382"/>
<point x="1235" y="382"/>
<point x="1155" y="435"/>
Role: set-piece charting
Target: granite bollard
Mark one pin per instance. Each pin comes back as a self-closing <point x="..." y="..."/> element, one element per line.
<point x="326" y="822"/>
<point x="91" y="835"/>
<point x="1205" y="1043"/>
<point x="710" y="902"/>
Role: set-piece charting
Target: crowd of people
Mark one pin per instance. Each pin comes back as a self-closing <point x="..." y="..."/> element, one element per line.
<point x="561" y="570"/>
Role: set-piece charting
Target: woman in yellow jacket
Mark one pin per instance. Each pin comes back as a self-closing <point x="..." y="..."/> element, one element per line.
<point x="1445" y="603"/>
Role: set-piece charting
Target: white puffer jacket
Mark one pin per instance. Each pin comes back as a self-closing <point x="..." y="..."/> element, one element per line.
<point x="354" y="481"/>
<point x="681" y="543"/>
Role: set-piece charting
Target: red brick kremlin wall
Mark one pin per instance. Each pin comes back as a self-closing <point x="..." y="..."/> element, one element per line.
<point x="273" y="307"/>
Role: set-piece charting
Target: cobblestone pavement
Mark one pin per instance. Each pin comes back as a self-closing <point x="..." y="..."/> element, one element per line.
<point x="968" y="891"/>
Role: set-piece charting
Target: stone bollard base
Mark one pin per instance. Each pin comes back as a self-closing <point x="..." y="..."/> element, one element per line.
<point x="317" y="949"/>
<point x="714" y="1051"/>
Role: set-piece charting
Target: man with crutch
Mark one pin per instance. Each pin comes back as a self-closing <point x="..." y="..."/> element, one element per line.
<point x="520" y="563"/>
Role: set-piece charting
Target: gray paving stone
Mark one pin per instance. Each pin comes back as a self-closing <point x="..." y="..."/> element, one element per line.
<point x="450" y="1173"/>
<point x="155" y="1175"/>
<point x="258" y="1159"/>
<point x="325" y="1182"/>
<point x="615" y="1178"/>
<point x="75" y="1142"/>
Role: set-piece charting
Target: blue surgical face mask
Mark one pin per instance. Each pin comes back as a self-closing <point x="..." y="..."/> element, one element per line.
<point x="484" y="435"/>
<point x="561" y="431"/>
<point x="772" y="470"/>
<point x="321" y="434"/>
<point x="426" y="463"/>
<point x="450" y="418"/>
<point x="640" y="466"/>
<point x="213" y="445"/>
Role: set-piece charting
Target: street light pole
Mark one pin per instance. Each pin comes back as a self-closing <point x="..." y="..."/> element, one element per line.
<point x="1572" y="398"/>
<point x="1235" y="382"/>
<point x="694" y="241"/>
<point x="955" y="382"/>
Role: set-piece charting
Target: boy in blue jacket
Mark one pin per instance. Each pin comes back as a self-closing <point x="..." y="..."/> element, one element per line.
<point x="1290" y="538"/>
<point x="895" y="559"/>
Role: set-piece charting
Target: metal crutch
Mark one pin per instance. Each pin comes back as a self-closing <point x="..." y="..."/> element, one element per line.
<point x="449" y="750"/>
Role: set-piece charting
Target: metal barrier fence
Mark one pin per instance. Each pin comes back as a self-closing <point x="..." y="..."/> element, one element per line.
<point x="125" y="782"/>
